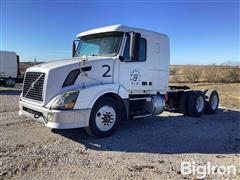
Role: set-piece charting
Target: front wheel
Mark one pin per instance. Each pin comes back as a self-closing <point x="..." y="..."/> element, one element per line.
<point x="104" y="118"/>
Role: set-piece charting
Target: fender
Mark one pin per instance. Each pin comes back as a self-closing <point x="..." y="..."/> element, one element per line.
<point x="88" y="96"/>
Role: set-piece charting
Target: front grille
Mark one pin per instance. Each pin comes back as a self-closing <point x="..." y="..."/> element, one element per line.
<point x="33" y="85"/>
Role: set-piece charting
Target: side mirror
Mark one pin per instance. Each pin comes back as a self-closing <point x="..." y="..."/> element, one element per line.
<point x="74" y="46"/>
<point x="135" y="39"/>
<point x="121" y="58"/>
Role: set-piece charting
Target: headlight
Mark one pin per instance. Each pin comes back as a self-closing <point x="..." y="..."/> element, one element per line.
<point x="65" y="101"/>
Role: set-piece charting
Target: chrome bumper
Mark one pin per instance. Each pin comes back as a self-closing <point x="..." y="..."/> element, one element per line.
<point x="56" y="119"/>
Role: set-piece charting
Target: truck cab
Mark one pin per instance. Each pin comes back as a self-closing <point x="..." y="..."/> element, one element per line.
<point x="115" y="72"/>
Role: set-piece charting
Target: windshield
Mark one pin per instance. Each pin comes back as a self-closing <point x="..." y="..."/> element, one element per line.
<point x="104" y="44"/>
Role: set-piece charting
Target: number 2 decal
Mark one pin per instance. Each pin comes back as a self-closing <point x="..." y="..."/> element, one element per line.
<point x="108" y="69"/>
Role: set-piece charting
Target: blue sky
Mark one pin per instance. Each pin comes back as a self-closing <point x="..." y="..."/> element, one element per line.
<point x="201" y="32"/>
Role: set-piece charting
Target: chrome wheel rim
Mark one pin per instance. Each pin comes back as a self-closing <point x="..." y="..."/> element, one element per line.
<point x="214" y="102"/>
<point x="105" y="118"/>
<point x="200" y="104"/>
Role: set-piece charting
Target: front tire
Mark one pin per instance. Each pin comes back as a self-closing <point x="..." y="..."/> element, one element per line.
<point x="104" y="118"/>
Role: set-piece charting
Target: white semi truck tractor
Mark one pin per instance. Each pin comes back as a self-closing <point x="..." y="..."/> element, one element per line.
<point x="115" y="73"/>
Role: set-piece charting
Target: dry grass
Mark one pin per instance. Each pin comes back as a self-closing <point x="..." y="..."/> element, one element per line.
<point x="229" y="93"/>
<point x="209" y="73"/>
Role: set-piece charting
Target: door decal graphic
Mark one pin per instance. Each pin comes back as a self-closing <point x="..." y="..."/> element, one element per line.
<point x="135" y="77"/>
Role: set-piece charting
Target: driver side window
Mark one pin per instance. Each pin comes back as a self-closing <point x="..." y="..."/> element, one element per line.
<point x="142" y="52"/>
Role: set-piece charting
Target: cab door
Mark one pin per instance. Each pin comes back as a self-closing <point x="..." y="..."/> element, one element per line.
<point x="134" y="75"/>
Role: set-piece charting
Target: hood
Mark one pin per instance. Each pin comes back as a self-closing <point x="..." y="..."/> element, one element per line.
<point x="99" y="71"/>
<point x="58" y="63"/>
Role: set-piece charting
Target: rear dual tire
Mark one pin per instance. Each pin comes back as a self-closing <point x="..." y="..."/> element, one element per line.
<point x="192" y="103"/>
<point x="195" y="103"/>
<point x="183" y="102"/>
<point x="212" y="101"/>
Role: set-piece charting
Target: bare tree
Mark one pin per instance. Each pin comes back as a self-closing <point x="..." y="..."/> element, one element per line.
<point x="193" y="73"/>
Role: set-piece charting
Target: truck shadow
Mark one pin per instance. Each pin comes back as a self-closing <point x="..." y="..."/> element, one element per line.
<point x="170" y="134"/>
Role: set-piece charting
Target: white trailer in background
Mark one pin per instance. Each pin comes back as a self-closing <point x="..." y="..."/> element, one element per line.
<point x="9" y="67"/>
<point x="116" y="72"/>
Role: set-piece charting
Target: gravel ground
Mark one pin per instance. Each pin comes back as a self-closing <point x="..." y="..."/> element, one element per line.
<point x="145" y="148"/>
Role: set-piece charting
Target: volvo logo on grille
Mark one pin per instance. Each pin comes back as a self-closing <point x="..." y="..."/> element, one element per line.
<point x="32" y="85"/>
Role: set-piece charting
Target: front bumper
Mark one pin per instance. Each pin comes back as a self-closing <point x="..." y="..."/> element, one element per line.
<point x="56" y="119"/>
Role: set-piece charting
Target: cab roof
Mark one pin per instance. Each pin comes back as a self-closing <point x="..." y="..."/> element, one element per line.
<point x="118" y="27"/>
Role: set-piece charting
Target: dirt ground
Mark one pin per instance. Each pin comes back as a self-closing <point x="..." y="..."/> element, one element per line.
<point x="145" y="148"/>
